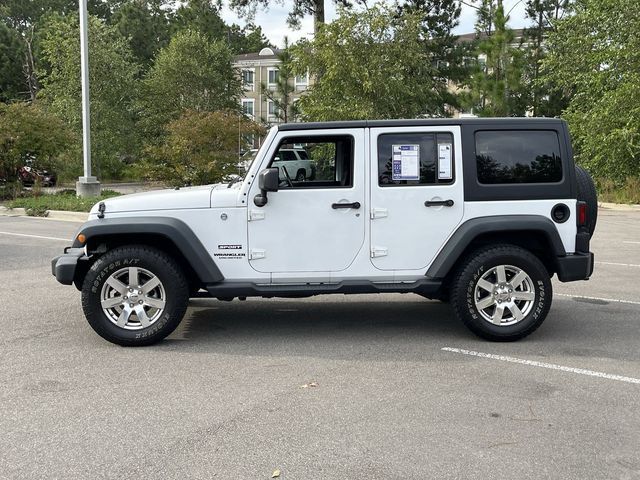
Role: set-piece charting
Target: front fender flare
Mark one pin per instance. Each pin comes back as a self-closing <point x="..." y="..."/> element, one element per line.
<point x="174" y="230"/>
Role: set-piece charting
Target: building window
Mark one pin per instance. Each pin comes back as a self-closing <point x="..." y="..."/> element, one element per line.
<point x="273" y="76"/>
<point x="248" y="107"/>
<point x="302" y="82"/>
<point x="248" y="79"/>
<point x="272" y="110"/>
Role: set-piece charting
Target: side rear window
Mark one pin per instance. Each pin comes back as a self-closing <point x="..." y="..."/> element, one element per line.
<point x="518" y="156"/>
<point x="415" y="159"/>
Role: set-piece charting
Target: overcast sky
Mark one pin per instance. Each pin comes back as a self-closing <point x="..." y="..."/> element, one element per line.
<point x="274" y="20"/>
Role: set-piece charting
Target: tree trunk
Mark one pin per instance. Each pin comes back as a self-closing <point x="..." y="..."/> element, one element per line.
<point x="318" y="15"/>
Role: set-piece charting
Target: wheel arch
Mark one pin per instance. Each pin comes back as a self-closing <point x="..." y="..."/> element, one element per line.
<point x="534" y="233"/>
<point x="164" y="233"/>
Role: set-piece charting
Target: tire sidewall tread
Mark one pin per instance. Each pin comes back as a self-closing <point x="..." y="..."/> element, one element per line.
<point x="479" y="262"/>
<point x="149" y="258"/>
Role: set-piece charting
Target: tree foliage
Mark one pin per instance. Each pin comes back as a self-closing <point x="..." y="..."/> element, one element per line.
<point x="495" y="87"/>
<point x="395" y="79"/>
<point x="200" y="148"/>
<point x="545" y="99"/>
<point x="28" y="131"/>
<point x="112" y="76"/>
<point x="596" y="54"/>
<point x="282" y="95"/>
<point x="191" y="73"/>
<point x="299" y="9"/>
<point x="11" y="58"/>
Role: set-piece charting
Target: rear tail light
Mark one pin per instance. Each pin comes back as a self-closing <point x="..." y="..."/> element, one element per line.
<point x="582" y="214"/>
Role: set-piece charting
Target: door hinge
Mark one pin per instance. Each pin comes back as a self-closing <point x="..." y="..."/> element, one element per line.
<point x="257" y="253"/>
<point x="379" y="213"/>
<point x="379" y="252"/>
<point x="256" y="215"/>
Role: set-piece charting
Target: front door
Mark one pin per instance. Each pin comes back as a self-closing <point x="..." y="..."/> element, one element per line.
<point x="417" y="198"/>
<point x="315" y="224"/>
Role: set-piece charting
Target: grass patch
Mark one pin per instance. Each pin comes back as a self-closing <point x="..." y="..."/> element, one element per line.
<point x="619" y="192"/>
<point x="63" y="200"/>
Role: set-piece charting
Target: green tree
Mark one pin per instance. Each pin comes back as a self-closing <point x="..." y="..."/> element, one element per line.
<point x="596" y="54"/>
<point x="202" y="16"/>
<point x="246" y="39"/>
<point x="112" y="76"/>
<point x="545" y="98"/>
<point x="28" y="131"/>
<point x="394" y="79"/>
<point x="282" y="94"/>
<point x="199" y="148"/>
<point x="11" y="57"/>
<point x="146" y="24"/>
<point x="495" y="87"/>
<point x="191" y="73"/>
<point x="446" y="54"/>
<point x="299" y="9"/>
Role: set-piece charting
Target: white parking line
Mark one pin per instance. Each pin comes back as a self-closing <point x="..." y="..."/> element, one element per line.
<point x="551" y="366"/>
<point x="36" y="236"/>
<point x="598" y="298"/>
<point x="619" y="264"/>
<point x="631" y="241"/>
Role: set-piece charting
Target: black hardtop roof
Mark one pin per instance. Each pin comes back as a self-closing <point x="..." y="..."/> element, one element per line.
<point x="418" y="122"/>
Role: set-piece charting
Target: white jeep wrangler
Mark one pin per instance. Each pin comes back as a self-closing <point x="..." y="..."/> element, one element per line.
<point x="478" y="212"/>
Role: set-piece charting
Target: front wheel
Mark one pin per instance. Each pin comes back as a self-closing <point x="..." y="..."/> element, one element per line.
<point x="501" y="293"/>
<point x="134" y="295"/>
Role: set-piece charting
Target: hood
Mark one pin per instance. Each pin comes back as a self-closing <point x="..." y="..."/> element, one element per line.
<point x="169" y="199"/>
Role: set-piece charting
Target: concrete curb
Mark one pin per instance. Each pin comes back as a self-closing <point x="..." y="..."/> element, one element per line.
<point x="52" y="214"/>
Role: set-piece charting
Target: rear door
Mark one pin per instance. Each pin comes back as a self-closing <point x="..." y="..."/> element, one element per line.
<point x="417" y="198"/>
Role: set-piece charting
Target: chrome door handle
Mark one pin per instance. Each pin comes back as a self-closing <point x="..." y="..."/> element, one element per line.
<point x="438" y="203"/>
<point x="355" y="205"/>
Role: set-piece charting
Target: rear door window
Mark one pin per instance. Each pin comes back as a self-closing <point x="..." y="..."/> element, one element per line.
<point x="518" y="156"/>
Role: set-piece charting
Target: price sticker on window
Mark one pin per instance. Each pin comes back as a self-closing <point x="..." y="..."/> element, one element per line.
<point x="406" y="162"/>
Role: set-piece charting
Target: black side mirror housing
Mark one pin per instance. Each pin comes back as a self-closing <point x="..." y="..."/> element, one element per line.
<point x="268" y="181"/>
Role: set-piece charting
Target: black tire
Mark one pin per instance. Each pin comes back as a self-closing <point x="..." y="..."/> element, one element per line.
<point x="300" y="176"/>
<point x="587" y="193"/>
<point x="164" y="267"/>
<point x="484" y="261"/>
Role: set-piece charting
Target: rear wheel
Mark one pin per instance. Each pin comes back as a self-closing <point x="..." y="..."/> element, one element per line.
<point x="300" y="176"/>
<point x="134" y="295"/>
<point x="501" y="293"/>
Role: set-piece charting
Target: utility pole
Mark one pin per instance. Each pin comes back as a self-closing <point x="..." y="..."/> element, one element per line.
<point x="87" y="185"/>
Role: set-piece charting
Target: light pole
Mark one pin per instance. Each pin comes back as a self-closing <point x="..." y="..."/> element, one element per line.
<point x="87" y="185"/>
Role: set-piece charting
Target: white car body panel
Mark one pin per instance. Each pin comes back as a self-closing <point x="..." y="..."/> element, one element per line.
<point x="298" y="238"/>
<point x="406" y="235"/>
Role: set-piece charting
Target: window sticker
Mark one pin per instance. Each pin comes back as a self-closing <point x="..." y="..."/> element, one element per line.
<point x="406" y="162"/>
<point x="444" y="161"/>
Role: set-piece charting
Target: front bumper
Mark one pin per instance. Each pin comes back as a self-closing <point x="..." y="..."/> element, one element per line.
<point x="64" y="267"/>
<point x="578" y="266"/>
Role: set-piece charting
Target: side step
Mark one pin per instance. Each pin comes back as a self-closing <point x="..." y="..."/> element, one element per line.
<point x="226" y="290"/>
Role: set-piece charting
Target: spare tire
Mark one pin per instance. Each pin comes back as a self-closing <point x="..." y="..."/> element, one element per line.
<point x="587" y="193"/>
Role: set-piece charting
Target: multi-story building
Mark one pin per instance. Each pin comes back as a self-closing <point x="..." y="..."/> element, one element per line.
<point x="260" y="70"/>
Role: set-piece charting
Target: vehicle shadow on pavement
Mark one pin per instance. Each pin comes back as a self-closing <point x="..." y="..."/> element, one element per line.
<point x="305" y="327"/>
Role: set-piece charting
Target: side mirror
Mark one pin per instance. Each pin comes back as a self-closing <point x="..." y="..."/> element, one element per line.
<point x="268" y="181"/>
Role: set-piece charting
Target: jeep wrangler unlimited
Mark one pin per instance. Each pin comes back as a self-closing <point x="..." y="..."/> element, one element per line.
<point x="478" y="212"/>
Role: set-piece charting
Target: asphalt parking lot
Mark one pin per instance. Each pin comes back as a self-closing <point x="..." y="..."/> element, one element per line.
<point x="403" y="391"/>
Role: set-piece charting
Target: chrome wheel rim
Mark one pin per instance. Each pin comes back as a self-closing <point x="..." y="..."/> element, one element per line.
<point x="133" y="298"/>
<point x="504" y="295"/>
